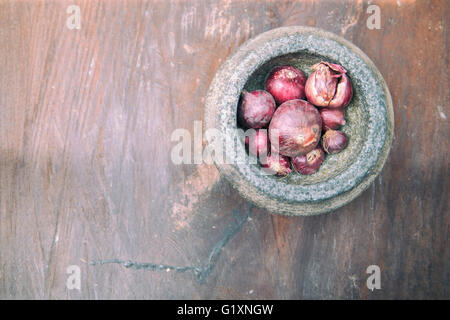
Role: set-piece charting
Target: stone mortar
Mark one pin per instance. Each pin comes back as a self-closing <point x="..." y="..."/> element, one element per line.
<point x="370" y="121"/>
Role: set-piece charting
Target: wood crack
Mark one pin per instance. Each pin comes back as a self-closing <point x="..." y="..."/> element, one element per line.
<point x="201" y="273"/>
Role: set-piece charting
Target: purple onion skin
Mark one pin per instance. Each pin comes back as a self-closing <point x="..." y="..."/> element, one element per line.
<point x="286" y="83"/>
<point x="256" y="109"/>
<point x="328" y="86"/>
<point x="309" y="163"/>
<point x="295" y="128"/>
<point x="334" y="141"/>
<point x="276" y="164"/>
<point x="258" y="142"/>
<point x="332" y="118"/>
<point x="344" y="93"/>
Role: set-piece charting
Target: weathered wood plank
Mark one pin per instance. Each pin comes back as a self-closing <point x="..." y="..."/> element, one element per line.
<point x="85" y="170"/>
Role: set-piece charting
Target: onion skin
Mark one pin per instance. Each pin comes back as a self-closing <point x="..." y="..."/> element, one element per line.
<point x="344" y="93"/>
<point x="286" y="83"/>
<point x="256" y="109"/>
<point x="334" y="141"/>
<point x="328" y="86"/>
<point x="309" y="163"/>
<point x="258" y="142"/>
<point x="295" y="128"/>
<point x="332" y="118"/>
<point x="276" y="164"/>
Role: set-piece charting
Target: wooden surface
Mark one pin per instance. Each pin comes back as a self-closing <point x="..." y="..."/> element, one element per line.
<point x="86" y="175"/>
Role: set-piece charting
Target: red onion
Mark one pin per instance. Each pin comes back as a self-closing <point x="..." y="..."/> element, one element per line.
<point x="328" y="86"/>
<point x="334" y="141"/>
<point x="309" y="163"/>
<point x="332" y="118"/>
<point x="256" y="109"/>
<point x="286" y="83"/>
<point x="258" y="142"/>
<point x="276" y="164"/>
<point x="295" y="128"/>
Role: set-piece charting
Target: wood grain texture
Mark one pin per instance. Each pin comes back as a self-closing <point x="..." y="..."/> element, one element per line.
<point x="85" y="170"/>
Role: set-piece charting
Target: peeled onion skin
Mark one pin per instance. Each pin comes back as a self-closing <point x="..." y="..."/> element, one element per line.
<point x="332" y="118"/>
<point x="344" y="93"/>
<point x="256" y="109"/>
<point x="309" y="163"/>
<point x="334" y="141"/>
<point x="286" y="83"/>
<point x="328" y="86"/>
<point x="276" y="164"/>
<point x="258" y="143"/>
<point x="295" y="128"/>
